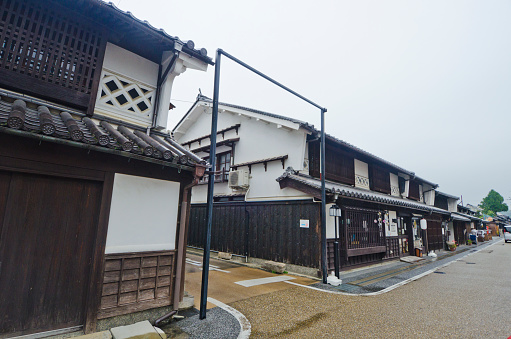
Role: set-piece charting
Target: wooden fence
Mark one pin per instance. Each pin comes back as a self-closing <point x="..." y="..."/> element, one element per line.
<point x="266" y="230"/>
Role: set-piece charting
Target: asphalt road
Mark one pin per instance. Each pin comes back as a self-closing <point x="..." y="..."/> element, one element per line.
<point x="470" y="298"/>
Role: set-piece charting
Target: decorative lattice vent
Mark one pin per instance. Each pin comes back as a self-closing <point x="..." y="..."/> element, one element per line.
<point x="124" y="96"/>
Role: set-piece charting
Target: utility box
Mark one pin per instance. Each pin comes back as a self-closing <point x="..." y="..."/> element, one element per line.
<point x="238" y="179"/>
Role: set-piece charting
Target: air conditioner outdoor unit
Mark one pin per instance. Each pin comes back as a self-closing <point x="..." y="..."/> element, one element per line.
<point x="238" y="179"/>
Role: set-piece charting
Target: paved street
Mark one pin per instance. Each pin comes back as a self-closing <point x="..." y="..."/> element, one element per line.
<point x="470" y="298"/>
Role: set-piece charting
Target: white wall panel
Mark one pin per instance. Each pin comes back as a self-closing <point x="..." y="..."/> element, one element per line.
<point x="143" y="215"/>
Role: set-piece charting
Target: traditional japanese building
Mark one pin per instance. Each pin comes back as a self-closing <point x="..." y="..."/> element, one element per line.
<point x="94" y="193"/>
<point x="267" y="192"/>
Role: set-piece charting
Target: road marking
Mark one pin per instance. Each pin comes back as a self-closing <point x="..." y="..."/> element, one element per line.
<point x="390" y="288"/>
<point x="245" y="326"/>
<point x="211" y="267"/>
<point x="262" y="281"/>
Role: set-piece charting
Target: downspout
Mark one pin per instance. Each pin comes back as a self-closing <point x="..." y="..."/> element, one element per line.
<point x="181" y="254"/>
<point x="161" y="79"/>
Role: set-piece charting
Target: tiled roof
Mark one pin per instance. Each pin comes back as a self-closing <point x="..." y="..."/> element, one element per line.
<point x="25" y="117"/>
<point x="189" y="46"/>
<point x="470" y="217"/>
<point x="459" y="217"/>
<point x="357" y="193"/>
<point x="447" y="195"/>
<point x="312" y="129"/>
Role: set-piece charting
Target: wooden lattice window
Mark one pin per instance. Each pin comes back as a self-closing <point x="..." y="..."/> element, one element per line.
<point x="124" y="96"/>
<point x="339" y="166"/>
<point x="41" y="44"/>
<point x="413" y="190"/>
<point x="379" y="179"/>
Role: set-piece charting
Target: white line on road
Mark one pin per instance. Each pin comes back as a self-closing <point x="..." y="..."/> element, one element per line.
<point x="211" y="267"/>
<point x="390" y="288"/>
<point x="246" y="328"/>
<point x="262" y="281"/>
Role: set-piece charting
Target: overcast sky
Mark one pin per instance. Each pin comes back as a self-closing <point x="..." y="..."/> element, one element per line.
<point x="423" y="84"/>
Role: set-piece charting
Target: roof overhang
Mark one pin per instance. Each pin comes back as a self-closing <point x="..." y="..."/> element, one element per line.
<point x="312" y="186"/>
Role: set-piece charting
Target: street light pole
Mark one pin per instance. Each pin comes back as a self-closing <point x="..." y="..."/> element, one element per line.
<point x="212" y="157"/>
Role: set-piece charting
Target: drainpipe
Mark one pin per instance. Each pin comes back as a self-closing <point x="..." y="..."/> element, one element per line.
<point x="161" y="80"/>
<point x="181" y="254"/>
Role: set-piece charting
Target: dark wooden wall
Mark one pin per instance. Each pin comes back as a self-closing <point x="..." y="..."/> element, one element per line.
<point x="137" y="281"/>
<point x="48" y="228"/>
<point x="339" y="165"/>
<point x="435" y="238"/>
<point x="266" y="230"/>
<point x="49" y="52"/>
<point x="75" y="175"/>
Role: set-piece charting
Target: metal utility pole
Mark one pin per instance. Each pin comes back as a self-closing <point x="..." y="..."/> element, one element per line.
<point x="212" y="157"/>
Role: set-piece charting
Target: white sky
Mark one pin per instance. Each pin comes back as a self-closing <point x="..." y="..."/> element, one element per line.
<point x="423" y="84"/>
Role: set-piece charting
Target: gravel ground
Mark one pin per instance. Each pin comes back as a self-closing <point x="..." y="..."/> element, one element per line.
<point x="472" y="299"/>
<point x="219" y="324"/>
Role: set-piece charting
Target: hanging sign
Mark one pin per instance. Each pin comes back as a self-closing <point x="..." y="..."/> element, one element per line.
<point x="304" y="223"/>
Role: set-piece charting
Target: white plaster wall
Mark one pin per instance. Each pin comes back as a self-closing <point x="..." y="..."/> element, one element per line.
<point x="143" y="215"/>
<point x="421" y="193"/>
<point x="259" y="140"/>
<point x="450" y="227"/>
<point x="394" y="181"/>
<point x="122" y="61"/>
<point x="452" y="205"/>
<point x="361" y="168"/>
<point x="429" y="197"/>
<point x="392" y="230"/>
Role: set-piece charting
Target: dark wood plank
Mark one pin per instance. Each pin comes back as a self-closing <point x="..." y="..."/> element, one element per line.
<point x="54" y="261"/>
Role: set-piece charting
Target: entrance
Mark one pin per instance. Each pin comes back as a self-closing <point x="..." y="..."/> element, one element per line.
<point x="47" y="231"/>
<point x="404" y="231"/>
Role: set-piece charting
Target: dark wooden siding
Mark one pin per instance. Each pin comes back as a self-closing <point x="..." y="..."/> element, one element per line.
<point x="137" y="281"/>
<point x="435" y="238"/>
<point x="48" y="228"/>
<point x="379" y="179"/>
<point x="266" y="230"/>
<point x="339" y="165"/>
<point x="49" y="52"/>
<point x="413" y="190"/>
<point x="441" y="202"/>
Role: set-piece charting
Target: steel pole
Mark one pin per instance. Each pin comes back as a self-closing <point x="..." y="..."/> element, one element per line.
<point x="336" y="250"/>
<point x="211" y="185"/>
<point x="323" y="201"/>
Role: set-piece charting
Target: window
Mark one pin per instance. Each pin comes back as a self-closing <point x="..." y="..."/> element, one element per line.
<point x="223" y="166"/>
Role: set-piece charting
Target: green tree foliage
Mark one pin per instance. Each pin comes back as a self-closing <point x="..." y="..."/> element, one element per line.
<point x="493" y="203"/>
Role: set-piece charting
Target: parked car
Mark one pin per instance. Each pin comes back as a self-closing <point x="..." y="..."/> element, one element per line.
<point x="507" y="233"/>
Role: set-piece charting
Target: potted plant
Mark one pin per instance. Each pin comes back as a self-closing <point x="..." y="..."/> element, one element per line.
<point x="451" y="245"/>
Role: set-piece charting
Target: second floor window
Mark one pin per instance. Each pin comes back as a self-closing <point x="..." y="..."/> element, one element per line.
<point x="223" y="165"/>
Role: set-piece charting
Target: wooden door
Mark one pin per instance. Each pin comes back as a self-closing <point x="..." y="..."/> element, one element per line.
<point x="48" y="226"/>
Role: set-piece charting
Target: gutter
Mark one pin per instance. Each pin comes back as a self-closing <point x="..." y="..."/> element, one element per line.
<point x="183" y="230"/>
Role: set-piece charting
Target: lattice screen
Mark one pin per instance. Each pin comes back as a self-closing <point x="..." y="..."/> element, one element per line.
<point x="123" y="95"/>
<point x="51" y="46"/>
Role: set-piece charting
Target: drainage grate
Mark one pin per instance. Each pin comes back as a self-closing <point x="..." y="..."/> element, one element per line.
<point x="471" y="263"/>
<point x="438" y="272"/>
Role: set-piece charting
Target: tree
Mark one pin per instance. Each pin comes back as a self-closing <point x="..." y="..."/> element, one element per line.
<point x="493" y="203"/>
